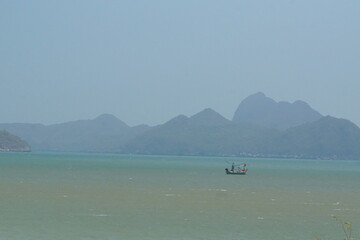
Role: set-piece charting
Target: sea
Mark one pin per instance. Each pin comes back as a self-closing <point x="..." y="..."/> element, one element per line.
<point x="64" y="196"/>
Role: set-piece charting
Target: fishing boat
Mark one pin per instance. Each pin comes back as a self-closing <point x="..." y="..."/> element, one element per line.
<point x="237" y="169"/>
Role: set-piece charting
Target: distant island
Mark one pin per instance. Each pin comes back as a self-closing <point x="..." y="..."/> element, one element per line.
<point x="12" y="143"/>
<point x="260" y="127"/>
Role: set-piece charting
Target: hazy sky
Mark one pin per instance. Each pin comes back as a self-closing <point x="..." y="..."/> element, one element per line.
<point x="148" y="61"/>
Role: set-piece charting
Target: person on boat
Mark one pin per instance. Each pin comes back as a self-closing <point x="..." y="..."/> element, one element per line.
<point x="244" y="166"/>
<point x="233" y="167"/>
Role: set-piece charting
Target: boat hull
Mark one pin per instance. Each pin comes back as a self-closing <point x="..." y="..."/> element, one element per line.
<point x="242" y="172"/>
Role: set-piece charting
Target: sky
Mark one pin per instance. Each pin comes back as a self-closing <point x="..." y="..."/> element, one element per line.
<point x="148" y="61"/>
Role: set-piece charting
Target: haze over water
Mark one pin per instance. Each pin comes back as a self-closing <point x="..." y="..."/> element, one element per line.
<point x="80" y="196"/>
<point x="148" y="61"/>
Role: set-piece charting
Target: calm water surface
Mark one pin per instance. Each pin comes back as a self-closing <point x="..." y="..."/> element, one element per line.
<point x="83" y="196"/>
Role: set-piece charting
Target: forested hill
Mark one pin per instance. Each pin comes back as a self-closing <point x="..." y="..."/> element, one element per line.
<point x="12" y="143"/>
<point x="264" y="111"/>
<point x="328" y="138"/>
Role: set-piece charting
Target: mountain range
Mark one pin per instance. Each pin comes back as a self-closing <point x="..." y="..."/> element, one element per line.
<point x="261" y="127"/>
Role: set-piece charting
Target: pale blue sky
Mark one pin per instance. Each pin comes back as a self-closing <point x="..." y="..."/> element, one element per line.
<point x="148" y="61"/>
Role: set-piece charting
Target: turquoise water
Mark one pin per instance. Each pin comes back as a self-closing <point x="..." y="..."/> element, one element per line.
<point x="82" y="196"/>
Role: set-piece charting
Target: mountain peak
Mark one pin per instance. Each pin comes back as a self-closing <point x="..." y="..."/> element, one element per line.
<point x="205" y="112"/>
<point x="106" y="117"/>
<point x="208" y="117"/>
<point x="109" y="119"/>
<point x="178" y="120"/>
<point x="258" y="96"/>
<point x="262" y="110"/>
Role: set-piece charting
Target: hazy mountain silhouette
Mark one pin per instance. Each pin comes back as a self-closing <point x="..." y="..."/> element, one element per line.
<point x="105" y="133"/>
<point x="33" y="134"/>
<point x="261" y="128"/>
<point x="328" y="136"/>
<point x="12" y="143"/>
<point x="262" y="110"/>
<point x="205" y="133"/>
<point x="181" y="135"/>
<point x="208" y="117"/>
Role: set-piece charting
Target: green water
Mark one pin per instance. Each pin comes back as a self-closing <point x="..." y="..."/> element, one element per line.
<point x="80" y="196"/>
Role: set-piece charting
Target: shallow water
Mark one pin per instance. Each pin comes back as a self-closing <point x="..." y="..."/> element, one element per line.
<point x="83" y="196"/>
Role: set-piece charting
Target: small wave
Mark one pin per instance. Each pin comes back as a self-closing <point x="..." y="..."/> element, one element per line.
<point x="316" y="204"/>
<point x="342" y="209"/>
<point x="218" y="189"/>
<point x="99" y="215"/>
